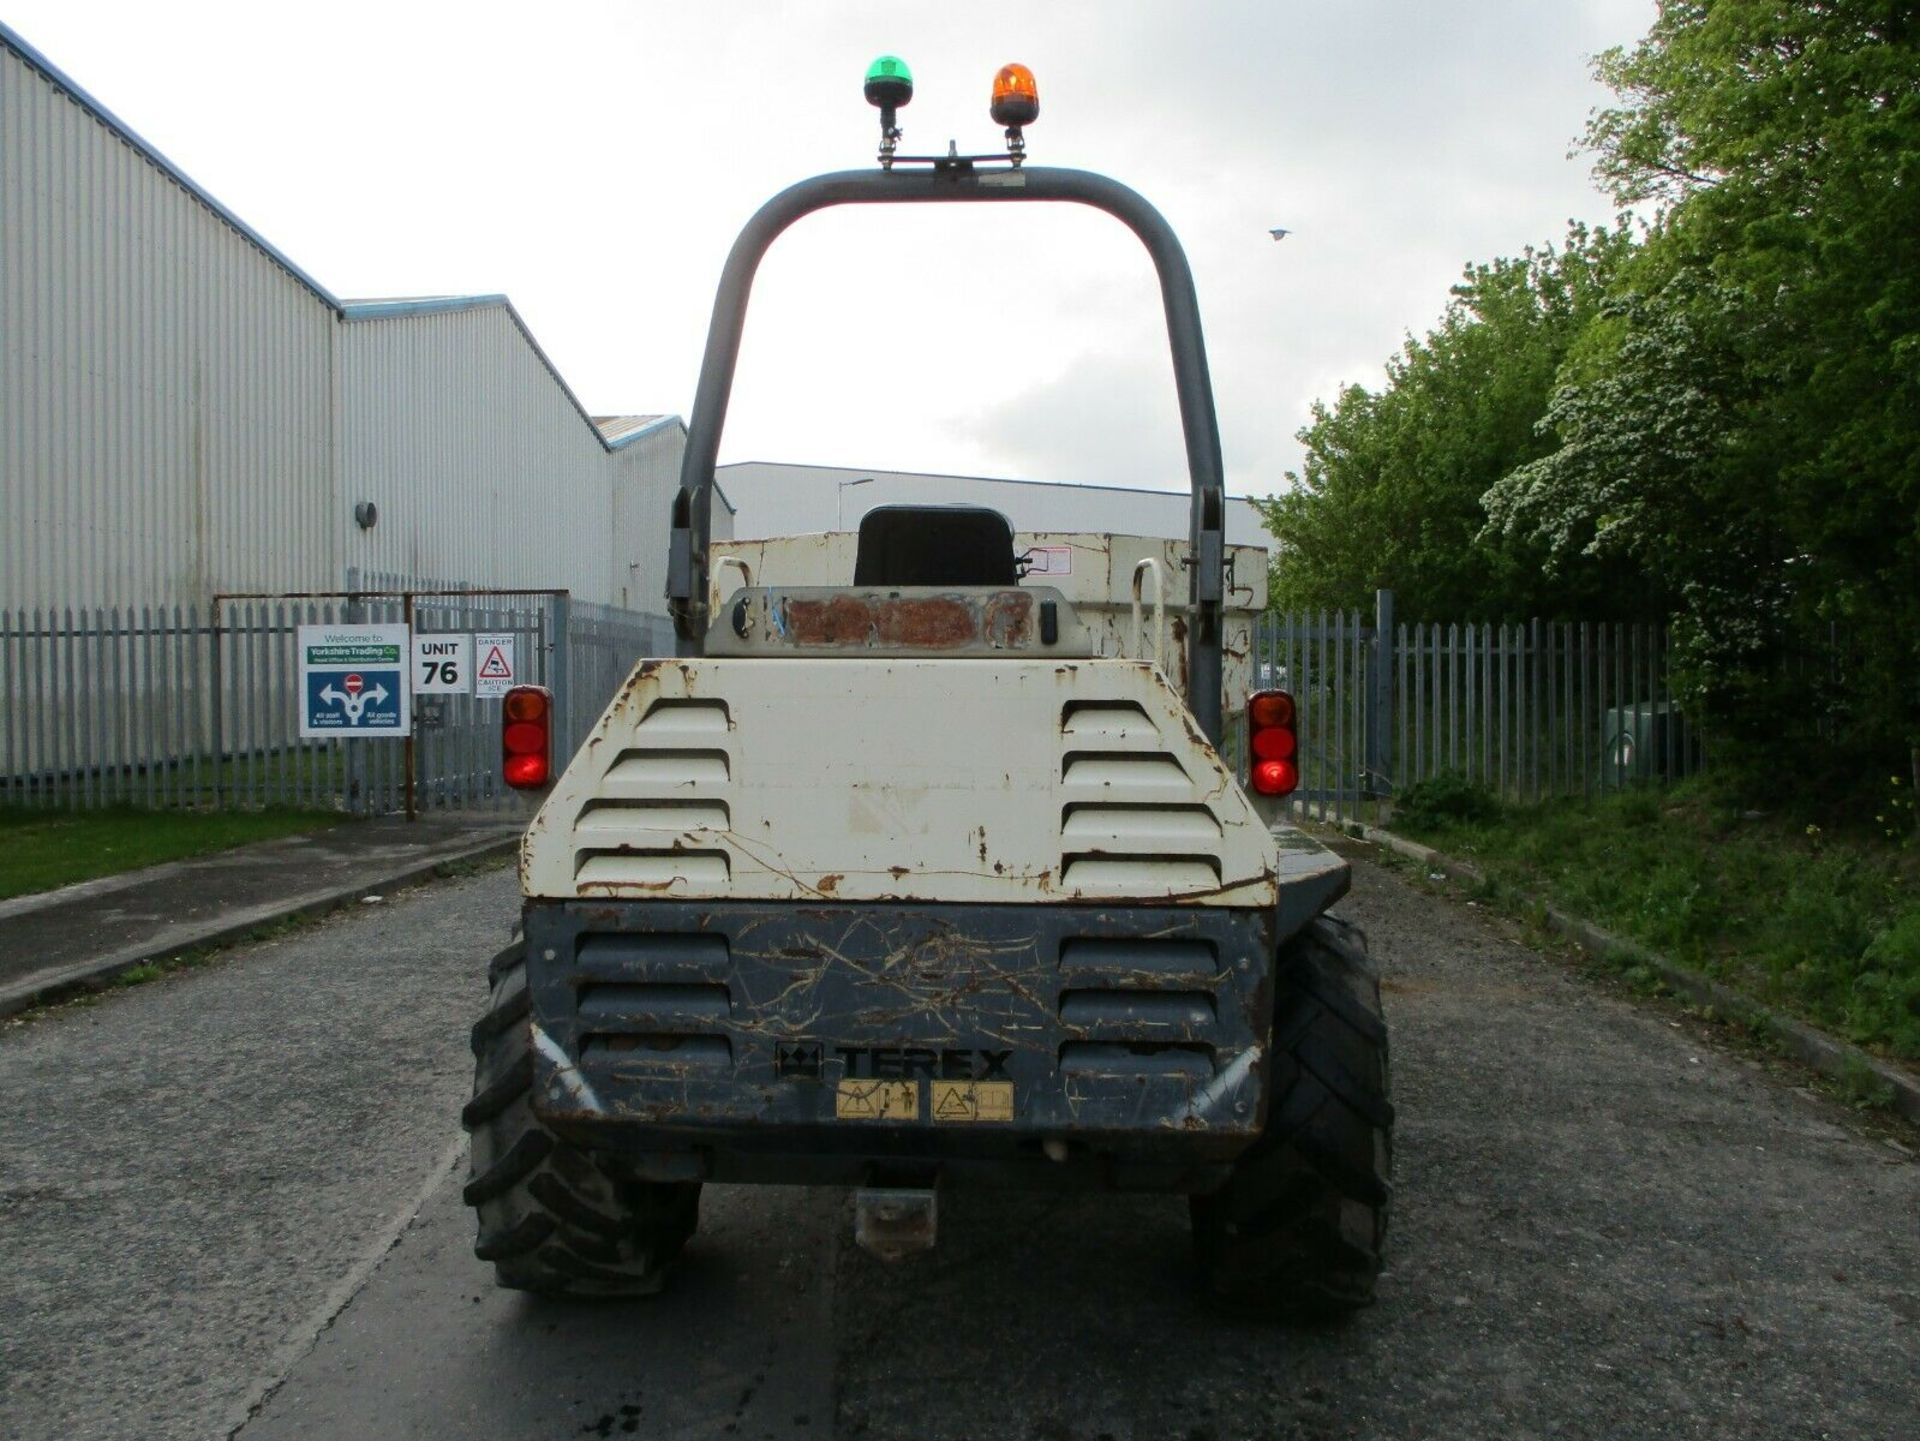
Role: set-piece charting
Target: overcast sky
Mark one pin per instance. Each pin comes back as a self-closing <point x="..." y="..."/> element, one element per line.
<point x="595" y="160"/>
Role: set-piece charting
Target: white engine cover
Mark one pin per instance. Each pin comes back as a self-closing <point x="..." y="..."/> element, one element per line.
<point x="989" y="781"/>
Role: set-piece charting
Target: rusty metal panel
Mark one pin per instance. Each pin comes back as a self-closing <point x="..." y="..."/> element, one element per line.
<point x="1016" y="780"/>
<point x="1001" y="620"/>
<point x="898" y="621"/>
<point x="881" y="1027"/>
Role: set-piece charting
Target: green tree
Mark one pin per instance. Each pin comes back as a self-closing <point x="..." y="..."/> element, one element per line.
<point x="1392" y="484"/>
<point x="1744" y="415"/>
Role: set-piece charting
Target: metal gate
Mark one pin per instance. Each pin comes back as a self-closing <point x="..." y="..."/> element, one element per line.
<point x="180" y="707"/>
<point x="1529" y="710"/>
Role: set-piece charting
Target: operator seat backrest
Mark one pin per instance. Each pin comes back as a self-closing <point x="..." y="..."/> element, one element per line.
<point x="935" y="545"/>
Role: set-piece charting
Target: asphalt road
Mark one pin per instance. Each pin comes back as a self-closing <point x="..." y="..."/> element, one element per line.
<point x="229" y="1205"/>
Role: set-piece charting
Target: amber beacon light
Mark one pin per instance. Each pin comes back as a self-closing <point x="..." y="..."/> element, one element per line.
<point x="1016" y="98"/>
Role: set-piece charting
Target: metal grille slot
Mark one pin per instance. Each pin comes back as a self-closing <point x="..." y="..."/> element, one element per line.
<point x="676" y="715"/>
<point x="1126" y="825"/>
<point x="668" y="1051"/>
<point x="1108" y="721"/>
<point x="1124" y="770"/>
<point x="671" y="1023"/>
<point x="612" y="819"/>
<point x="1130" y="961"/>
<point x="650" y="869"/>
<point x="640" y="956"/>
<point x="668" y="766"/>
<point x="669" y="1008"/>
<point x="1140" y="1015"/>
<point x="1104" y="1060"/>
<point x="1173" y="873"/>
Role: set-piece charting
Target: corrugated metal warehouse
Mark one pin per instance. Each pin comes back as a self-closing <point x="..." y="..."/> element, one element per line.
<point x="184" y="411"/>
<point x="774" y="499"/>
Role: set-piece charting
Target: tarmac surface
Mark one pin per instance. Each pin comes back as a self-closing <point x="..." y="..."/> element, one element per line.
<point x="229" y="1201"/>
<point x="81" y="936"/>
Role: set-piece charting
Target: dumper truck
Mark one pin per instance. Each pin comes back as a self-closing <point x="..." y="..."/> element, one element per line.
<point x="938" y="855"/>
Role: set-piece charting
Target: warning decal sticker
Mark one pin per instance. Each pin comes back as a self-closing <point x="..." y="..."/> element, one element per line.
<point x="494" y="670"/>
<point x="877" y="1101"/>
<point x="972" y="1100"/>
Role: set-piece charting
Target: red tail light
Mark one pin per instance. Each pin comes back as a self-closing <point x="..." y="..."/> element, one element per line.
<point x="1272" y="742"/>
<point x="526" y="737"/>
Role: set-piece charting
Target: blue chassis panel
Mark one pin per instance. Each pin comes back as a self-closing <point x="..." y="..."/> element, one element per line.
<point x="712" y="1041"/>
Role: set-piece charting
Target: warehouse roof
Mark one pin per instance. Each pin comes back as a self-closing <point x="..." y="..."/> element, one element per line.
<point x="403" y="307"/>
<point x="59" y="79"/>
<point x="619" y="430"/>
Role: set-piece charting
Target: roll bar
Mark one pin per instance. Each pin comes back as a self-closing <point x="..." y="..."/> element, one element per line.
<point x="958" y="180"/>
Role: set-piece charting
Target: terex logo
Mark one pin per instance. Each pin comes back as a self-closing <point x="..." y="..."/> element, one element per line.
<point x="903" y="1063"/>
<point x="801" y="1059"/>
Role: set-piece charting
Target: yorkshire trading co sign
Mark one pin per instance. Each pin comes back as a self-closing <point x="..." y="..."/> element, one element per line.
<point x="353" y="680"/>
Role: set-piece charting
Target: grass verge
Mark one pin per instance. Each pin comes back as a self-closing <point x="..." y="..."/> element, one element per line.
<point x="1821" y="927"/>
<point x="40" y="850"/>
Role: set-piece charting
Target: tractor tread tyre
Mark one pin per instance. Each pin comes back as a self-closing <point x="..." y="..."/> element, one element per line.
<point x="554" y="1216"/>
<point x="1298" y="1229"/>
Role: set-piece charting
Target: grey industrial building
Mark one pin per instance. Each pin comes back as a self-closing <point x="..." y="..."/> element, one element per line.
<point x="185" y="412"/>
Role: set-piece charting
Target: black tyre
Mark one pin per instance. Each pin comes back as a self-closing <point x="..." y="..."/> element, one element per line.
<point x="1299" y="1228"/>
<point x="555" y="1217"/>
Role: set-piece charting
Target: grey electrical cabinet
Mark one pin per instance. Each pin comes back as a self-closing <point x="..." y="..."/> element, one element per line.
<point x="1643" y="740"/>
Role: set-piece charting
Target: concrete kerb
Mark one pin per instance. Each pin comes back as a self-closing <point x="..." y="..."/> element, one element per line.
<point x="1811" y="1047"/>
<point x="96" y="973"/>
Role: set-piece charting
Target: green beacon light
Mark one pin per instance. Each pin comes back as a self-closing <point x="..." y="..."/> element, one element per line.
<point x="889" y="86"/>
<point x="889" y="82"/>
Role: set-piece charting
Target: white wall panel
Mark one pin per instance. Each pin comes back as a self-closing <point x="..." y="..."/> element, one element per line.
<point x="647" y="476"/>
<point x="184" y="413"/>
<point x="483" y="469"/>
<point x="164" y="383"/>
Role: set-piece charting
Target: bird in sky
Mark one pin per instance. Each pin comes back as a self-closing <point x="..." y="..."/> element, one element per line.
<point x="1280" y="234"/>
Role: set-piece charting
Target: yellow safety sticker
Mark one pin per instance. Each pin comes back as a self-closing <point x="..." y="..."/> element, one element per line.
<point x="877" y="1101"/>
<point x="972" y="1100"/>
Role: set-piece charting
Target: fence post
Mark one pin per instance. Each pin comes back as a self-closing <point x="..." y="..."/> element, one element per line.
<point x="216" y="704"/>
<point x="560" y="618"/>
<point x="411" y="777"/>
<point x="1536" y="735"/>
<point x="354" y="612"/>
<point x="1380" y="758"/>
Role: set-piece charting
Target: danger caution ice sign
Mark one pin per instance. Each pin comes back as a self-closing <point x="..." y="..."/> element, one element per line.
<point x="353" y="680"/>
<point x="493" y="664"/>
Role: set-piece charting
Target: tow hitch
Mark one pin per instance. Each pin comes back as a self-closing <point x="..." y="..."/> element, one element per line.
<point x="895" y="1222"/>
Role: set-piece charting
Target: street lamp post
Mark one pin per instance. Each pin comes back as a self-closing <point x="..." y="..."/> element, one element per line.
<point x="840" y="500"/>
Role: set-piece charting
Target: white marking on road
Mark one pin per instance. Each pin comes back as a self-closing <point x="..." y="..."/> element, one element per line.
<point x="300" y="1340"/>
<point x="569" y="1074"/>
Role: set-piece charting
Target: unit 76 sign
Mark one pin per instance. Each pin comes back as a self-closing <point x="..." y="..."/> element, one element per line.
<point x="442" y="664"/>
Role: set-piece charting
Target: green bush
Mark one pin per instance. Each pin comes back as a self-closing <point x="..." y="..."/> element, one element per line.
<point x="1822" y="923"/>
<point x="1446" y="799"/>
<point x="1885" y="998"/>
